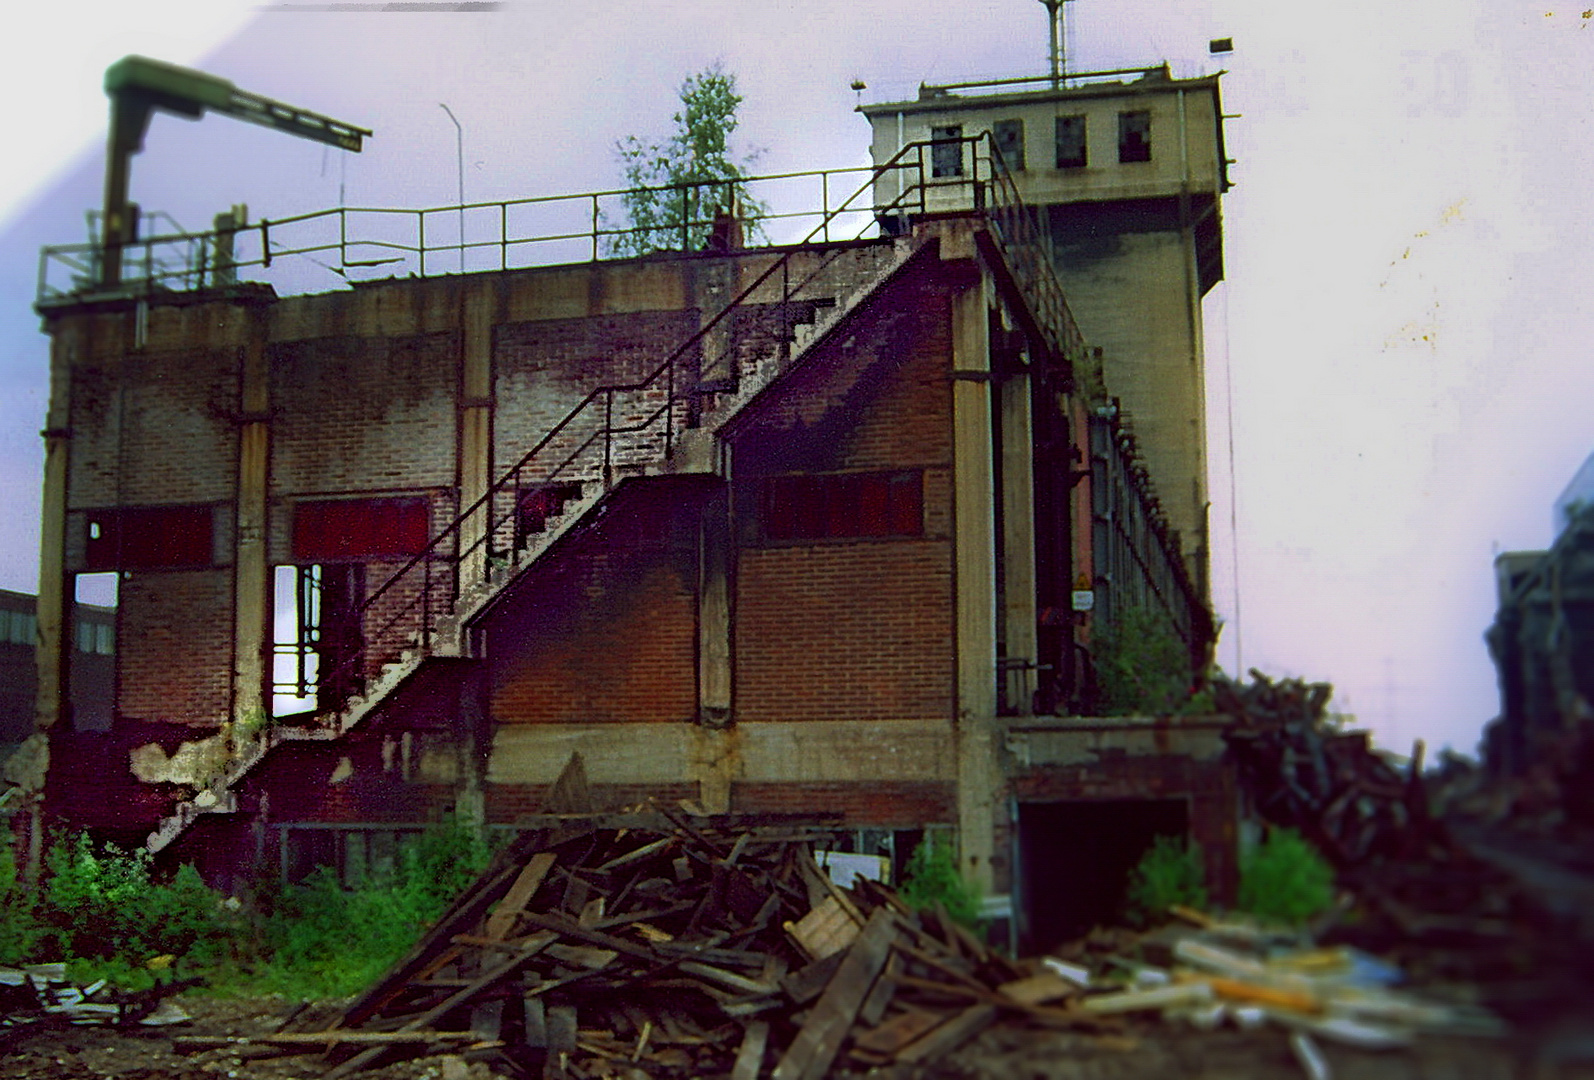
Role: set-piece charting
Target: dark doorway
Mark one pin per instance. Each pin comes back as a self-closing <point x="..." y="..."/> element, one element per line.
<point x="1075" y="858"/>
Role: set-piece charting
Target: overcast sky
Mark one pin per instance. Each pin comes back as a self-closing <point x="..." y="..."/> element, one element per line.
<point x="1402" y="341"/>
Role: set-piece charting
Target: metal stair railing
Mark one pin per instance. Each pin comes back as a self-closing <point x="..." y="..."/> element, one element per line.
<point x="614" y="431"/>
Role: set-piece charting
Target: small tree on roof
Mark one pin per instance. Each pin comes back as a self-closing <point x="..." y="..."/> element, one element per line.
<point x="679" y="186"/>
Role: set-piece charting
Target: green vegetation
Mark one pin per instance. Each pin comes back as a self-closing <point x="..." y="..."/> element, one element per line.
<point x="1285" y="879"/>
<point x="323" y="939"/>
<point x="932" y="877"/>
<point x="108" y="913"/>
<point x="677" y="186"/>
<point x="1169" y="873"/>
<point x="1143" y="669"/>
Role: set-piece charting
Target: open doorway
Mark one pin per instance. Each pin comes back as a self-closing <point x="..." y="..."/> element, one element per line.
<point x="1075" y="858"/>
<point x="317" y="643"/>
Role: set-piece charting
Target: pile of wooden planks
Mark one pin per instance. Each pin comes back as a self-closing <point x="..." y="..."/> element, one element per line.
<point x="657" y="945"/>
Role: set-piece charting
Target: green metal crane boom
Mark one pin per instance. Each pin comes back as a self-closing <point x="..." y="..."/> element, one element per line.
<point x="137" y="85"/>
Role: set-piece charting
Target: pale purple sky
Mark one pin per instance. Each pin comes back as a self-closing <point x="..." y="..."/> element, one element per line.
<point x="1403" y="328"/>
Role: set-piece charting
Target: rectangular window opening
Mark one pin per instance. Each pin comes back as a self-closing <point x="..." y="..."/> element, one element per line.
<point x="1134" y="136"/>
<point x="946" y="150"/>
<point x="839" y="506"/>
<point x="1009" y="135"/>
<point x="1071" y="148"/>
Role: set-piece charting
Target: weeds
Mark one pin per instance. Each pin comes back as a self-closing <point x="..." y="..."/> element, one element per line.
<point x="1171" y="872"/>
<point x="932" y="877"/>
<point x="1285" y="879"/>
<point x="106" y="912"/>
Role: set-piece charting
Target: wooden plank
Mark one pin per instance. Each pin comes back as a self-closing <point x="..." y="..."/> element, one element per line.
<point x="1037" y="989"/>
<point x="885" y="988"/>
<point x="807" y="983"/>
<point x="487" y="1020"/>
<point x="950" y="1035"/>
<point x="587" y="956"/>
<point x="825" y="930"/>
<point x="533" y="1010"/>
<point x="750" y="1058"/>
<point x="592" y="913"/>
<point x="896" y="1033"/>
<point x="502" y="920"/>
<point x="564" y="925"/>
<point x="819" y="1041"/>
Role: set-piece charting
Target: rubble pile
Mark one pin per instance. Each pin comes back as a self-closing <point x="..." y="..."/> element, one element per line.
<point x="654" y="944"/>
<point x="1415" y="882"/>
<point x="37" y="996"/>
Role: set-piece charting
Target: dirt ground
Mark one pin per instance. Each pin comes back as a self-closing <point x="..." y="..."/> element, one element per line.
<point x="1148" y="1049"/>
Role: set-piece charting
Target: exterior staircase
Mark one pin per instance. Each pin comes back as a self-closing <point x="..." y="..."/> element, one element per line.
<point x="664" y="424"/>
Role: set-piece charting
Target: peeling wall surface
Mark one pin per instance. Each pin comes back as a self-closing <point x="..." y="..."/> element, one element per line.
<point x="780" y="611"/>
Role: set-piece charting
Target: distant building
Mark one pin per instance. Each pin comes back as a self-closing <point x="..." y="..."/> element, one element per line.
<point x="1579" y="495"/>
<point x="1542" y="642"/>
<point x="92" y="665"/>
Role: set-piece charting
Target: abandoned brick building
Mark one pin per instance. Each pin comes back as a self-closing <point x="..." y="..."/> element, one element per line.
<point x="822" y="527"/>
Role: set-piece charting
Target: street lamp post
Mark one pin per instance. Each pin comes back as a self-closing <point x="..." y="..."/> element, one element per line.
<point x="459" y="154"/>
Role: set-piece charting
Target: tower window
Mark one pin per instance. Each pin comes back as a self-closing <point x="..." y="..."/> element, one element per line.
<point x="1071" y="142"/>
<point x="1134" y="136"/>
<point x="1010" y="141"/>
<point x="946" y="151"/>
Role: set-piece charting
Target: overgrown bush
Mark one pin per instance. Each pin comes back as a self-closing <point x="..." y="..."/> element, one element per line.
<point x="1285" y="879"/>
<point x="1142" y="668"/>
<point x="932" y="877"/>
<point x="1169" y="873"/>
<point x="101" y="902"/>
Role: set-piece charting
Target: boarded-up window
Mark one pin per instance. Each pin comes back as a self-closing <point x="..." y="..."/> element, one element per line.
<point x="1134" y="136"/>
<point x="348" y="530"/>
<point x="1009" y="135"/>
<point x="150" y="538"/>
<point x="842" y="505"/>
<point x="1071" y="151"/>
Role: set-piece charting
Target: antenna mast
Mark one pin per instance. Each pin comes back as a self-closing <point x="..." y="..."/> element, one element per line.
<point x="1056" y="58"/>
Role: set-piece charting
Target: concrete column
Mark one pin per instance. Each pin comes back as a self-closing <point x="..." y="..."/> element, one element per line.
<point x="29" y="764"/>
<point x="1018" y="538"/>
<point x="478" y="308"/>
<point x="714" y="614"/>
<point x="974" y="528"/>
<point x="252" y="591"/>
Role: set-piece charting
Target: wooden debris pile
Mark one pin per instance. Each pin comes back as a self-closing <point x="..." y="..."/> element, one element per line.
<point x="657" y="945"/>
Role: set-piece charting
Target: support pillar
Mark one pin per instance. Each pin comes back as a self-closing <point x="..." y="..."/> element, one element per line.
<point x="1018" y="541"/>
<point x="475" y="469"/>
<point x="974" y="528"/>
<point x="252" y="589"/>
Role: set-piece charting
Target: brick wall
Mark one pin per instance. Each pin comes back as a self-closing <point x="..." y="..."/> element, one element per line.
<point x="363" y="414"/>
<point x="891" y="804"/>
<point x="606" y="628"/>
<point x="165" y="436"/>
<point x="175" y="646"/>
<point x="506" y="802"/>
<point x="863" y="628"/>
<point x="543" y="369"/>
